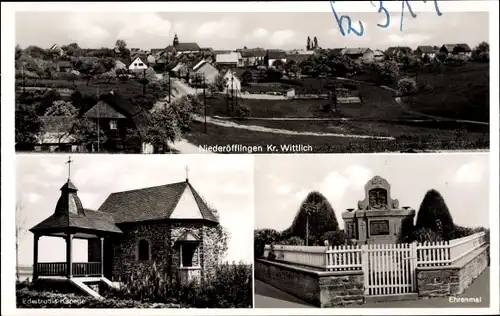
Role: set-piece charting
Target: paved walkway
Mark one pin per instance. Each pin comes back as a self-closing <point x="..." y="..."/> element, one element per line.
<point x="267" y="296"/>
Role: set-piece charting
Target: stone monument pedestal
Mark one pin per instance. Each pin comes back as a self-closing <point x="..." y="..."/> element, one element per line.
<point x="378" y="218"/>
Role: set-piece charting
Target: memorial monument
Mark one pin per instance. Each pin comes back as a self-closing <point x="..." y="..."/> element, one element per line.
<point x="378" y="218"/>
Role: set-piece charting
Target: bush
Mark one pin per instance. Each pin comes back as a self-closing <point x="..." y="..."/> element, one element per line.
<point x="229" y="286"/>
<point x="243" y="111"/>
<point x="407" y="85"/>
<point x="336" y="238"/>
<point x="264" y="237"/>
<point x="33" y="299"/>
<point x="293" y="241"/>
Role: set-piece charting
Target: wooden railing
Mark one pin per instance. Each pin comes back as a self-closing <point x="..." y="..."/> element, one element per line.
<point x="51" y="269"/>
<point x="87" y="269"/>
<point x="60" y="269"/>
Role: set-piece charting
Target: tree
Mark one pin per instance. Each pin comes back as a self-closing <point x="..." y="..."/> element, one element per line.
<point x="162" y="129"/>
<point x="20" y="232"/>
<point x="264" y="237"/>
<point x="314" y="218"/>
<point x="107" y="63"/>
<point x="481" y="52"/>
<point x="46" y="101"/>
<point x="145" y="77"/>
<point x="61" y="108"/>
<point x="388" y="71"/>
<point x="35" y="52"/>
<point x="220" y="82"/>
<point x="18" y="53"/>
<point x="122" y="48"/>
<point x="278" y="64"/>
<point x="434" y="215"/>
<point x="243" y="110"/>
<point x="246" y="77"/>
<point x="273" y="75"/>
<point x="211" y="89"/>
<point x="86" y="132"/>
<point x="27" y="125"/>
<point x="72" y="49"/>
<point x="108" y="76"/>
<point x="183" y="110"/>
<point x="407" y="85"/>
<point x="440" y="56"/>
<point x="308" y="45"/>
<point x="293" y="241"/>
<point x="315" y="42"/>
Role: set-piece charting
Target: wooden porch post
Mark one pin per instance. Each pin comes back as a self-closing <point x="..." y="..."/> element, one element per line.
<point x="69" y="255"/>
<point x="180" y="257"/>
<point x="102" y="256"/>
<point x="36" y="237"/>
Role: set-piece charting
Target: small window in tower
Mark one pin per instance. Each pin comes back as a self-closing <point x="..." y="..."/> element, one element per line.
<point x="112" y="124"/>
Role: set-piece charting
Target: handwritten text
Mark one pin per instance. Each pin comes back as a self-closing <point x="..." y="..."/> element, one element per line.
<point x="349" y="28"/>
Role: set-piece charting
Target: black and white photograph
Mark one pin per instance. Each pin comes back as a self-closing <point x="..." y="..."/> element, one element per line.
<point x="387" y="231"/>
<point x="252" y="82"/>
<point x="134" y="232"/>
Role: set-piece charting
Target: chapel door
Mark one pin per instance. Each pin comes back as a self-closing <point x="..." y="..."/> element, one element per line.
<point x="108" y="259"/>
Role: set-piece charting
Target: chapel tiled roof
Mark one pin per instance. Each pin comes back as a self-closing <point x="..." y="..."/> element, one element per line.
<point x="426" y="49"/>
<point x="276" y="54"/>
<point x="153" y="203"/>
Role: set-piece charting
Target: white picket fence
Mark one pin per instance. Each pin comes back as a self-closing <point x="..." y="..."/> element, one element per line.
<point x="349" y="258"/>
<point x="387" y="268"/>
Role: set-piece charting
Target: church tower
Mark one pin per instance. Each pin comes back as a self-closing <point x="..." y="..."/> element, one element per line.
<point x="176" y="40"/>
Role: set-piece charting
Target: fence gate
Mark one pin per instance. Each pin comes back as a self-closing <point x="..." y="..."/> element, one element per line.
<point x="389" y="269"/>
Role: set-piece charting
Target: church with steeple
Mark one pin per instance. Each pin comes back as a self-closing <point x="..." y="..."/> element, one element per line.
<point x="168" y="225"/>
<point x="178" y="48"/>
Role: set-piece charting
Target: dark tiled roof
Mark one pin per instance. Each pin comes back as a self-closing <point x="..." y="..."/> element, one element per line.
<point x="143" y="57"/>
<point x="103" y="110"/>
<point x="426" y="49"/>
<point x="254" y="52"/>
<point x="69" y="213"/>
<point x="337" y="51"/>
<point x="183" y="47"/>
<point x="356" y="51"/>
<point x="154" y="203"/>
<point x="276" y="54"/>
<point x="92" y="220"/>
<point x="131" y="111"/>
<point x="398" y="49"/>
<point x="457" y="47"/>
<point x="155" y="51"/>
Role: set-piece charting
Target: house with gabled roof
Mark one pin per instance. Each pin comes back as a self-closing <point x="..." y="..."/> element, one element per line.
<point x="426" y="50"/>
<point x="274" y="54"/>
<point x="118" y="119"/>
<point x="169" y="226"/>
<point x="456" y="49"/>
<point x="55" y="135"/>
<point x="398" y="51"/>
<point x="230" y="60"/>
<point x="138" y="62"/>
<point x="360" y="54"/>
<point x="56" y="50"/>
<point x="253" y="56"/>
<point x="205" y="70"/>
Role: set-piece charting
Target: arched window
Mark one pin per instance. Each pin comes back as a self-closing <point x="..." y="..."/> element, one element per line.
<point x="143" y="250"/>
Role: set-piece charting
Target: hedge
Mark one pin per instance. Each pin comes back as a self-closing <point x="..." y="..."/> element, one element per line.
<point x="33" y="299"/>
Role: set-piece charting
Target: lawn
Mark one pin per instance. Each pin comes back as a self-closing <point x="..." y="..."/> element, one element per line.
<point x="428" y="130"/>
<point x="218" y="135"/>
<point x="459" y="92"/>
<point x="377" y="103"/>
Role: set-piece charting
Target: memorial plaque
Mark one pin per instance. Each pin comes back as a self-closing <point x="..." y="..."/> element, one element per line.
<point x="379" y="227"/>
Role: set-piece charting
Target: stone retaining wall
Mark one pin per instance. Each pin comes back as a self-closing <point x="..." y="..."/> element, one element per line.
<point x="323" y="289"/>
<point x="452" y="280"/>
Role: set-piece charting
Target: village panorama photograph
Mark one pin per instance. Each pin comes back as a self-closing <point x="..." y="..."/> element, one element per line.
<point x="162" y="231"/>
<point x="385" y="231"/>
<point x="272" y="82"/>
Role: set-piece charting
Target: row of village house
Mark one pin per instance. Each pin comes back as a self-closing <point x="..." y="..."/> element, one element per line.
<point x="241" y="58"/>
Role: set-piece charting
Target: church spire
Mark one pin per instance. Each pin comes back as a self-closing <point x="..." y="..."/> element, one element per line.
<point x="187" y="173"/>
<point x="69" y="186"/>
<point x="176" y="40"/>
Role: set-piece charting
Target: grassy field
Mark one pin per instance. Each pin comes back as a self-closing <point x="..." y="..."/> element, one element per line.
<point x="377" y="104"/>
<point x="427" y="130"/>
<point x="217" y="135"/>
<point x="459" y="92"/>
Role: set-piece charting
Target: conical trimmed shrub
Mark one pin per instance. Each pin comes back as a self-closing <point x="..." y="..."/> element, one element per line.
<point x="435" y="215"/>
<point x="322" y="219"/>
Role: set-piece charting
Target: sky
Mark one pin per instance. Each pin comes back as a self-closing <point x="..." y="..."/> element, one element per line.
<point x="221" y="30"/>
<point x="225" y="181"/>
<point x="282" y="182"/>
